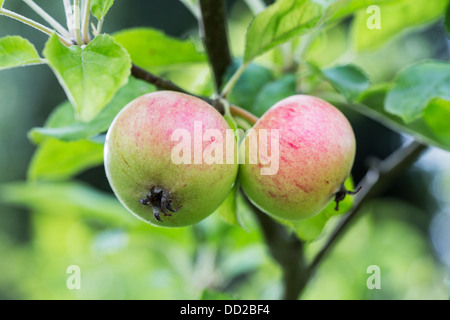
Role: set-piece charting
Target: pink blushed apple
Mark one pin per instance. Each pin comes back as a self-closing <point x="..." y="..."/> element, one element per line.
<point x="139" y="159"/>
<point x="316" y="153"/>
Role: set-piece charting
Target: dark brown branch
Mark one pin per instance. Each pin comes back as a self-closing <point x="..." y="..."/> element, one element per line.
<point x="213" y="28"/>
<point x="377" y="179"/>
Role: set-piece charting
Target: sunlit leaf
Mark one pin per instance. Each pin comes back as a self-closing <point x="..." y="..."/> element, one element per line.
<point x="60" y="160"/>
<point x="99" y="8"/>
<point x="63" y="125"/>
<point x="279" y="23"/>
<point x="152" y="49"/>
<point x="349" y="80"/>
<point x="437" y="117"/>
<point x="90" y="75"/>
<point x="415" y="87"/>
<point x="394" y="17"/>
<point x="16" y="51"/>
<point x="344" y="8"/>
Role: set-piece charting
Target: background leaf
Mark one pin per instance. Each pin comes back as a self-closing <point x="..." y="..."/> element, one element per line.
<point x="63" y="125"/>
<point x="64" y="198"/>
<point x="228" y="209"/>
<point x="272" y="92"/>
<point x="16" y="51"/>
<point x="311" y="228"/>
<point x="371" y="104"/>
<point x="152" y="49"/>
<point x="90" y="75"/>
<point x="415" y="87"/>
<point x="99" y="8"/>
<point x="279" y="23"/>
<point x="60" y="160"/>
<point x="349" y="80"/>
<point x="249" y="85"/>
<point x="396" y="16"/>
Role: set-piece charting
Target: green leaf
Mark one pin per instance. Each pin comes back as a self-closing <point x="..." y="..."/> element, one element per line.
<point x="437" y="117"/>
<point x="311" y="228"/>
<point x="65" y="198"/>
<point x="99" y="8"/>
<point x="416" y="86"/>
<point x="1" y="3"/>
<point x="279" y="23"/>
<point x="60" y="160"/>
<point x="90" y="75"/>
<point x="62" y="124"/>
<point x="394" y="18"/>
<point x="16" y="51"/>
<point x="273" y="92"/>
<point x="249" y="85"/>
<point x="349" y="80"/>
<point x="371" y="104"/>
<point x="228" y="209"/>
<point x="152" y="49"/>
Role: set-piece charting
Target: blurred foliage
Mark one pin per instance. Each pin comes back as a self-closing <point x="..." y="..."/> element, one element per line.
<point x="57" y="210"/>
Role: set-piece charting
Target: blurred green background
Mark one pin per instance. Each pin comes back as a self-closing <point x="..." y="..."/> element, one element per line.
<point x="46" y="228"/>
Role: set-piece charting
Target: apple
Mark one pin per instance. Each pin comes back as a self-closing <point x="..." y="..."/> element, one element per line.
<point x="314" y="152"/>
<point x="165" y="158"/>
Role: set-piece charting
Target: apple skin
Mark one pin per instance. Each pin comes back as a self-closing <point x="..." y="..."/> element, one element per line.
<point x="316" y="153"/>
<point x="138" y="153"/>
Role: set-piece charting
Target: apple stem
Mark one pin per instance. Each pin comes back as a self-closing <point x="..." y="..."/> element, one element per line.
<point x="342" y="193"/>
<point x="244" y="114"/>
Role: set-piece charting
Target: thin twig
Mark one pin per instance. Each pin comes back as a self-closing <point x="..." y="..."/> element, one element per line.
<point x="49" y="19"/>
<point x="69" y="18"/>
<point x="164" y="84"/>
<point x="77" y="22"/>
<point x="33" y="24"/>
<point x="86" y="16"/>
